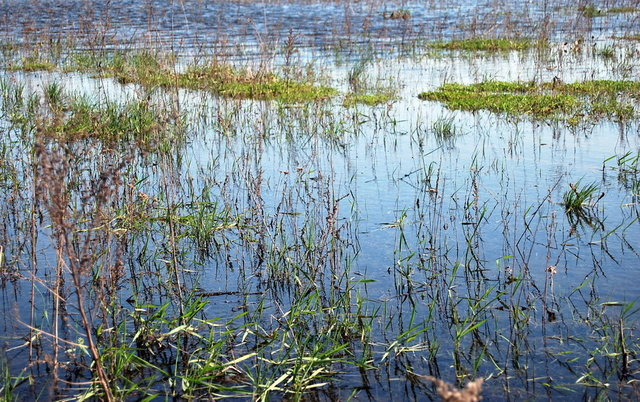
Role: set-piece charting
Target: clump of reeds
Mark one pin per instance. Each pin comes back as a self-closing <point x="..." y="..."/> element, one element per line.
<point x="580" y="196"/>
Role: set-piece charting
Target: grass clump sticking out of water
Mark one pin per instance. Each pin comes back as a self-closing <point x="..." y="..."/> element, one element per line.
<point x="33" y="63"/>
<point x="487" y="45"/>
<point x="476" y="97"/>
<point x="363" y="91"/>
<point x="591" y="11"/>
<point x="370" y="99"/>
<point x="578" y="197"/>
<point x="73" y="118"/>
<point x="444" y="128"/>
<point x="579" y="202"/>
<point x="573" y="102"/>
<point x="623" y="10"/>
<point x="221" y="79"/>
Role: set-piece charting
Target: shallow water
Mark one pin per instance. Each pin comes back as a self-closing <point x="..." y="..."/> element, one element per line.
<point x="423" y="235"/>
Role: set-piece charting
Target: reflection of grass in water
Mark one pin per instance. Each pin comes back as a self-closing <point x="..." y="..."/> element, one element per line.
<point x="573" y="102"/>
<point x="312" y="335"/>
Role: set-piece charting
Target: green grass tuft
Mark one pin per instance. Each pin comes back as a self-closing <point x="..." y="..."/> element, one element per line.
<point x="33" y="63"/>
<point x="224" y="80"/>
<point x="593" y="99"/>
<point x="590" y="11"/>
<point x="578" y="196"/>
<point x="488" y="45"/>
<point x="369" y="99"/>
<point x="623" y="10"/>
<point x="536" y="105"/>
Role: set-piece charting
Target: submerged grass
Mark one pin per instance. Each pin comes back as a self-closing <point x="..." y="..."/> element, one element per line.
<point x="592" y="99"/>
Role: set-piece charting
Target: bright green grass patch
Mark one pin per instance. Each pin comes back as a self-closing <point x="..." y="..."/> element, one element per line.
<point x="221" y="79"/>
<point x="369" y="99"/>
<point x="490" y="86"/>
<point x="634" y="37"/>
<point x="596" y="87"/>
<point x="33" y="63"/>
<point x="487" y="45"/>
<point x="589" y="99"/>
<point x="111" y="123"/>
<point x="590" y="11"/>
<point x="538" y="105"/>
<point x="70" y="118"/>
<point x="623" y="10"/>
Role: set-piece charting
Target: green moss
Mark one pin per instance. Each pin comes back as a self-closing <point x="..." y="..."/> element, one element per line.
<point x="487" y="45"/>
<point x="591" y="99"/>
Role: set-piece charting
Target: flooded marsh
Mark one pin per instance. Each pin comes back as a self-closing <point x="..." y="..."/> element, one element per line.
<point x="319" y="200"/>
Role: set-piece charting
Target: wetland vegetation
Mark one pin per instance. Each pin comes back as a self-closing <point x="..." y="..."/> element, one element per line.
<point x="319" y="200"/>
